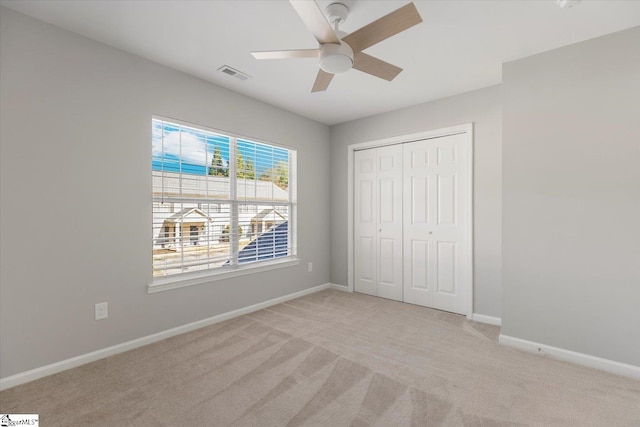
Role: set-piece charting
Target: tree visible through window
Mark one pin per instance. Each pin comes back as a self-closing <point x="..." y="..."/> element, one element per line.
<point x="219" y="201"/>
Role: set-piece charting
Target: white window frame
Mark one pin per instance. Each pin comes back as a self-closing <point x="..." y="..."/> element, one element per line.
<point x="181" y="280"/>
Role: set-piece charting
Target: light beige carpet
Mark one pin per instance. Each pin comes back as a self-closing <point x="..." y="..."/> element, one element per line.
<point x="331" y="359"/>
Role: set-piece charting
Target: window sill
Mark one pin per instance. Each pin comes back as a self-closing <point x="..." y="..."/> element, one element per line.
<point x="166" y="284"/>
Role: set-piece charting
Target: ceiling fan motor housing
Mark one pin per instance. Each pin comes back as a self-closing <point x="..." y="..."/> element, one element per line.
<point x="336" y="58"/>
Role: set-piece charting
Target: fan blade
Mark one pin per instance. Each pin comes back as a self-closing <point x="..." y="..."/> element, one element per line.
<point x="383" y="28"/>
<point x="374" y="66"/>
<point x="286" y="54"/>
<point x="322" y="81"/>
<point x="315" y="20"/>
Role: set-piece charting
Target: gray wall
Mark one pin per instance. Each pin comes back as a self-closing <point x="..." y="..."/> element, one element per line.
<point x="571" y="198"/>
<point x="76" y="194"/>
<point x="483" y="108"/>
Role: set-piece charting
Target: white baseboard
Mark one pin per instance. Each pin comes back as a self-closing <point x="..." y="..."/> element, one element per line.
<point x="54" y="368"/>
<point x="572" y="356"/>
<point x="486" y="319"/>
<point x="339" y="287"/>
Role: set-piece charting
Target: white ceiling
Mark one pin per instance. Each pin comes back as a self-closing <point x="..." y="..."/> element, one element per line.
<point x="459" y="47"/>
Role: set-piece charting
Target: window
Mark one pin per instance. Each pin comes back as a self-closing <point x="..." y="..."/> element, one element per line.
<point x="220" y="202"/>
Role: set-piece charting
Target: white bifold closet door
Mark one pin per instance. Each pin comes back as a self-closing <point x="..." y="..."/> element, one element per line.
<point x="378" y="218"/>
<point x="412" y="213"/>
<point x="436" y="219"/>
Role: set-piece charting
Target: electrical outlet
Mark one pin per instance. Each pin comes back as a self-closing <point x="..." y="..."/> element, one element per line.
<point x="310" y="267"/>
<point x="102" y="310"/>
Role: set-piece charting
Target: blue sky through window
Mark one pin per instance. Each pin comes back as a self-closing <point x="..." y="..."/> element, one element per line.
<point x="177" y="148"/>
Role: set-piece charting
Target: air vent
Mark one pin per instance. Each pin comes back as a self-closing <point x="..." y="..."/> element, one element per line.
<point x="234" y="73"/>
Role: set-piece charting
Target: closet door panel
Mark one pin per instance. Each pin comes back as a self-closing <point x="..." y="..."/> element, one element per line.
<point x="390" y="222"/>
<point x="437" y="214"/>
<point x="378" y="222"/>
<point x="366" y="222"/>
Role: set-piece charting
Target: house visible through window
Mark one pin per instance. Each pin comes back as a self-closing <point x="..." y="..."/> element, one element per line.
<point x="219" y="201"/>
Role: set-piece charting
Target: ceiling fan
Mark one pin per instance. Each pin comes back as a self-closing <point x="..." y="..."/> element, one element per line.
<point x="339" y="51"/>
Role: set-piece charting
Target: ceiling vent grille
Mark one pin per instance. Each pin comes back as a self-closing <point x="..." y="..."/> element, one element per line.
<point x="234" y="73"/>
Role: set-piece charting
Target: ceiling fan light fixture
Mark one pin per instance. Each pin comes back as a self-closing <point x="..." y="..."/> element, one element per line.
<point x="336" y="58"/>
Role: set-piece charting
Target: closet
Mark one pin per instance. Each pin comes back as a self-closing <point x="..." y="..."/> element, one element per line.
<point x="412" y="222"/>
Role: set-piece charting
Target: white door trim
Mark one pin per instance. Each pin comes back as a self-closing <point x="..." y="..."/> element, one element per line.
<point x="466" y="129"/>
